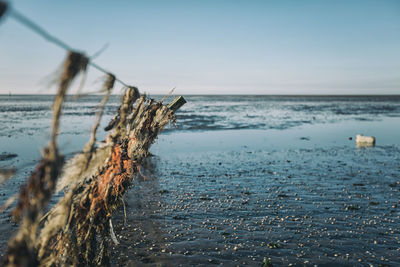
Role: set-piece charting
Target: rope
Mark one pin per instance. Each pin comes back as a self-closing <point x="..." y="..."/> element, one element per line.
<point x="25" y="21"/>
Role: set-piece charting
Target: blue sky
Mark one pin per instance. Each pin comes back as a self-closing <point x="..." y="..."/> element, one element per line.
<point x="212" y="47"/>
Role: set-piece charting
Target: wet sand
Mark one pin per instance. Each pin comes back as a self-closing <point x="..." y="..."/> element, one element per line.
<point x="289" y="188"/>
<point x="312" y="200"/>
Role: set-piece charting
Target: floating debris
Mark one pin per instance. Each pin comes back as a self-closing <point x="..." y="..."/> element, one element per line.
<point x="365" y="141"/>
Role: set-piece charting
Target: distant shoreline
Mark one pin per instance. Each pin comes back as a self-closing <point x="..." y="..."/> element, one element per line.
<point x="272" y="95"/>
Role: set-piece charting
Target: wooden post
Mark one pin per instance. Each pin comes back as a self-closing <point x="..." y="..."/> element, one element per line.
<point x="177" y="103"/>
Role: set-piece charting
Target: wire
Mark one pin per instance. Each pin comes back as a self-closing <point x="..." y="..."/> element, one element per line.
<point x="98" y="53"/>
<point x="52" y="39"/>
<point x="39" y="30"/>
<point x="94" y="65"/>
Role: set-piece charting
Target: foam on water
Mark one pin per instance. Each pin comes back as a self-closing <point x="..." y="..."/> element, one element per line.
<point x="281" y="112"/>
<point x="26" y="113"/>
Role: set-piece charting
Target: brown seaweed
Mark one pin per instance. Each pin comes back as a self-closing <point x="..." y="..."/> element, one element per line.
<point x="35" y="195"/>
<point x="75" y="225"/>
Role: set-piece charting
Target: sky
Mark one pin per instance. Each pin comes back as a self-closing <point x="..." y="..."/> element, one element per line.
<point x="210" y="47"/>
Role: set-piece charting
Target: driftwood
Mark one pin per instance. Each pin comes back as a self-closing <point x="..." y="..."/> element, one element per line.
<point x="78" y="229"/>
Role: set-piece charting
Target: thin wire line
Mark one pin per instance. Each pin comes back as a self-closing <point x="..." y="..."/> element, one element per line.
<point x="52" y="39"/>
<point x="39" y="30"/>
<point x="100" y="51"/>
<point x="94" y="65"/>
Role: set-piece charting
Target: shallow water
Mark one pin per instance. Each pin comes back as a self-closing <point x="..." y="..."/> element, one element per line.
<point x="243" y="178"/>
<point x="30" y="114"/>
<point x="304" y="201"/>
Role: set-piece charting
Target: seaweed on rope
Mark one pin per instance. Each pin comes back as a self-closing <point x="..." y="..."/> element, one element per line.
<point x="35" y="195"/>
<point x="75" y="225"/>
<point x="78" y="229"/>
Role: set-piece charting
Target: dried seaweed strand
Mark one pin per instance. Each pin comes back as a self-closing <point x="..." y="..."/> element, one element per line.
<point x="90" y="146"/>
<point x="96" y="197"/>
<point x="30" y="24"/>
<point x="60" y="215"/>
<point x="34" y="197"/>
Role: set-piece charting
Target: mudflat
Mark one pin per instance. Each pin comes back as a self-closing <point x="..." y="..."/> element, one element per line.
<point x="240" y="179"/>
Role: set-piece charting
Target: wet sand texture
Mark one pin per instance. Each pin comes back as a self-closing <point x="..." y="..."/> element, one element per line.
<point x="240" y="179"/>
<point x="310" y="206"/>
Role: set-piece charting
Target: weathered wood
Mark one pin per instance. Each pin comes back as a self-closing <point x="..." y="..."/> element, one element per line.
<point x="177" y="103"/>
<point x="78" y="227"/>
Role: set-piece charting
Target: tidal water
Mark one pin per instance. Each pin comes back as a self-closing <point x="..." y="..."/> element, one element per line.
<point x="30" y="114"/>
<point x="241" y="178"/>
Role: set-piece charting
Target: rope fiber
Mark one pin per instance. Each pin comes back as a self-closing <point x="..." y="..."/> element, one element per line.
<point x="30" y="24"/>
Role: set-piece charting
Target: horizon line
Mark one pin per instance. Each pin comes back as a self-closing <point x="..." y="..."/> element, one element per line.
<point x="84" y="95"/>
